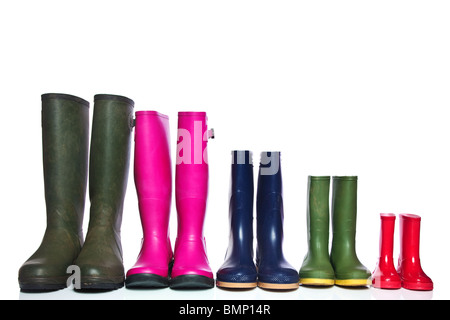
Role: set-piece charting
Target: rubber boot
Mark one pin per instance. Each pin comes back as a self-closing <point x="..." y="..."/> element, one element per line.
<point x="191" y="267"/>
<point x="100" y="260"/>
<point x="238" y="269"/>
<point x="385" y="276"/>
<point x="65" y="142"/>
<point x="274" y="272"/>
<point x="153" y="181"/>
<point x="348" y="270"/>
<point x="409" y="267"/>
<point x="316" y="269"/>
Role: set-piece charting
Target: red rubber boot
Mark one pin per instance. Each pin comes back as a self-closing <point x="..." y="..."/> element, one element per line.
<point x="409" y="268"/>
<point x="385" y="276"/>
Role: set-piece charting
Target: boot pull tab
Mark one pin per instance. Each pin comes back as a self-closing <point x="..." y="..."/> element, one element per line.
<point x="210" y="133"/>
<point x="131" y="121"/>
<point x="133" y="124"/>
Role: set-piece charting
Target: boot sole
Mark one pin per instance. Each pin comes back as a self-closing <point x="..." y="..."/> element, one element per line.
<point x="101" y="284"/>
<point x="353" y="282"/>
<point x="317" y="282"/>
<point x="236" y="285"/>
<point x="387" y="284"/>
<point x="146" y="280"/>
<point x="42" y="284"/>
<point x="191" y="281"/>
<point x="417" y="286"/>
<point x="278" y="286"/>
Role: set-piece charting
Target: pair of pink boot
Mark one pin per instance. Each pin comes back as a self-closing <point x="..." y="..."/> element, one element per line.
<point x="158" y="265"/>
<point x="409" y="273"/>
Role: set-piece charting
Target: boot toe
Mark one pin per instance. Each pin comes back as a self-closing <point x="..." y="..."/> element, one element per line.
<point x="316" y="270"/>
<point x="101" y="277"/>
<point x="354" y="276"/>
<point x="237" y="274"/>
<point x="279" y="276"/>
<point x="35" y="276"/>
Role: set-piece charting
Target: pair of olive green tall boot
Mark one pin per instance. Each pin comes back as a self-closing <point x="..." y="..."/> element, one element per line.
<point x="66" y="160"/>
<point x="341" y="266"/>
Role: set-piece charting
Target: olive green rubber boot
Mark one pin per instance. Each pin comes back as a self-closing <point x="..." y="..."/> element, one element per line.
<point x="100" y="260"/>
<point x="347" y="268"/>
<point x="65" y="142"/>
<point x="316" y="269"/>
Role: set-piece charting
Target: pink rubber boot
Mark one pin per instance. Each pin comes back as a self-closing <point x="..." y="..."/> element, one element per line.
<point x="409" y="267"/>
<point x="385" y="276"/>
<point x="191" y="267"/>
<point x="153" y="180"/>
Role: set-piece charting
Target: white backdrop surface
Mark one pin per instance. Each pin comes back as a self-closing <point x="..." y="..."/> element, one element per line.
<point x="339" y="87"/>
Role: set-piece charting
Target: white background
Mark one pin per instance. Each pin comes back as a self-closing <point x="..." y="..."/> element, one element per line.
<point x="339" y="87"/>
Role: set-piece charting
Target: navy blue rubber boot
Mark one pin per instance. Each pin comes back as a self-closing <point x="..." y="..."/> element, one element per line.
<point x="238" y="270"/>
<point x="274" y="272"/>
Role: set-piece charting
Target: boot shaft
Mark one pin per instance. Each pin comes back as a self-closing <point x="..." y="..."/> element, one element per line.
<point x="152" y="161"/>
<point x="191" y="173"/>
<point x="387" y="237"/>
<point x="317" y="217"/>
<point x="112" y="126"/>
<point x="241" y="205"/>
<point x="409" y="236"/>
<point x="152" y="172"/>
<point x="344" y="210"/>
<point x="65" y="141"/>
<point x="269" y="207"/>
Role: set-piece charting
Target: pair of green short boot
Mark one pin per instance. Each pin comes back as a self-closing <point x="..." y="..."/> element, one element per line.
<point x="66" y="161"/>
<point x="341" y="266"/>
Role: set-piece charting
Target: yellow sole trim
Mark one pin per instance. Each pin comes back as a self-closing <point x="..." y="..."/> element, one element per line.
<point x="278" y="286"/>
<point x="317" y="282"/>
<point x="353" y="282"/>
<point x="236" y="285"/>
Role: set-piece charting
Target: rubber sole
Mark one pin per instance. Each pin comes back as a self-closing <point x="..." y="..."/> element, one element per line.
<point x="386" y="284"/>
<point x="146" y="280"/>
<point x="191" y="281"/>
<point x="100" y="284"/>
<point x="278" y="286"/>
<point x="353" y="282"/>
<point x="236" y="285"/>
<point x="417" y="286"/>
<point x="42" y="285"/>
<point x="316" y="282"/>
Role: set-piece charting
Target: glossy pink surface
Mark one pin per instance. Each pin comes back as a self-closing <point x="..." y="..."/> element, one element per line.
<point x="153" y="180"/>
<point x="191" y="193"/>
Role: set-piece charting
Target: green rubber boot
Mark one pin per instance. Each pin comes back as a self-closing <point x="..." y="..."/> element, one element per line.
<point x="316" y="269"/>
<point x="347" y="268"/>
<point x="65" y="142"/>
<point x="100" y="260"/>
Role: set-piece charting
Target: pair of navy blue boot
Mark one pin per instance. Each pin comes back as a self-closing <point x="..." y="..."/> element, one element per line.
<point x="271" y="270"/>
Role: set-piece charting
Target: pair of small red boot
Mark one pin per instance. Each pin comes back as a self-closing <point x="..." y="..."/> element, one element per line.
<point x="409" y="273"/>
